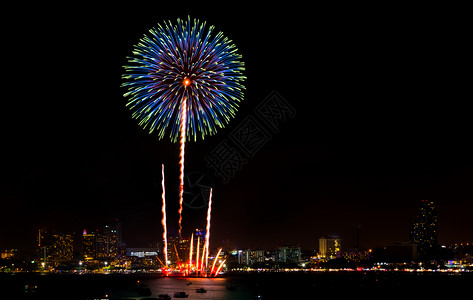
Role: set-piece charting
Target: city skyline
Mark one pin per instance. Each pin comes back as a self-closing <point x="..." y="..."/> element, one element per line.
<point x="423" y="232"/>
<point x="376" y="122"/>
<point x="103" y="251"/>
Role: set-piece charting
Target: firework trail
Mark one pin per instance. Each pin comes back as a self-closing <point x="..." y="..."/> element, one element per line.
<point x="177" y="256"/>
<point x="181" y="161"/>
<point x="163" y="220"/>
<point x="161" y="262"/>
<point x="207" y="230"/>
<point x="219" y="267"/>
<point x="184" y="81"/>
<point x="215" y="260"/>
<point x="190" y="252"/>
<point x="202" y="260"/>
<point x="197" y="255"/>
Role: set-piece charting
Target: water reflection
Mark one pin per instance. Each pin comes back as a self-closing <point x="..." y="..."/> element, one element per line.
<point x="217" y="288"/>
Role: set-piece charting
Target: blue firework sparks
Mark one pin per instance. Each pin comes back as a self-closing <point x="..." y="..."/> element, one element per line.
<point x="181" y="61"/>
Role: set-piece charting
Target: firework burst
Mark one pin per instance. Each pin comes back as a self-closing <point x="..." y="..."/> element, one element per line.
<point x="182" y="61"/>
<point x="186" y="81"/>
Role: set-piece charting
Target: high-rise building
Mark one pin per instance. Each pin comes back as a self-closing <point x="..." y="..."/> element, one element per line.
<point x="88" y="245"/>
<point x="289" y="254"/>
<point x="107" y="243"/>
<point x="43" y="237"/>
<point x="182" y="246"/>
<point x="173" y="243"/>
<point x="44" y="240"/>
<point x="62" y="249"/>
<point x="330" y="247"/>
<point x="119" y="234"/>
<point x="423" y="230"/>
<point x="8" y="254"/>
<point x="54" y="249"/>
<point x="249" y="257"/>
<point x="103" y="244"/>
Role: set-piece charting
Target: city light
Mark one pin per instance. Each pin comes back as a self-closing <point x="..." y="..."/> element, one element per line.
<point x="103" y="252"/>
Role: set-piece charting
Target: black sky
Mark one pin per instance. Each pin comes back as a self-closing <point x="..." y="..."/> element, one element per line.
<point x="382" y="121"/>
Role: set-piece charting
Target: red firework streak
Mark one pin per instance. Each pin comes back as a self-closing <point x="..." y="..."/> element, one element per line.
<point x="197" y="256"/>
<point x="215" y="260"/>
<point x="207" y="230"/>
<point x="201" y="267"/>
<point x="163" y="220"/>
<point x="182" y="129"/>
<point x="219" y="267"/>
<point x="190" y="254"/>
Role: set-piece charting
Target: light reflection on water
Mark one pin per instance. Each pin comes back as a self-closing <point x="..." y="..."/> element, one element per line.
<point x="216" y="288"/>
<point x="271" y="286"/>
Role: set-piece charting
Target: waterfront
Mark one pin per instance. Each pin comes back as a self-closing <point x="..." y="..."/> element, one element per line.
<point x="295" y="285"/>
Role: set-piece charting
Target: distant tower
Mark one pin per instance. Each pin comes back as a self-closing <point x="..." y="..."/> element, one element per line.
<point x="119" y="233"/>
<point x="44" y="242"/>
<point x="423" y="230"/>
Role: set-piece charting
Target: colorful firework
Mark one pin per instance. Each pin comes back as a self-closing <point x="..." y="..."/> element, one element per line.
<point x="178" y="62"/>
<point x="184" y="268"/>
<point x="187" y="78"/>
<point x="184" y="81"/>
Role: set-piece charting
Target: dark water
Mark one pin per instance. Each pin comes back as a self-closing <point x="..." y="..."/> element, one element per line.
<point x="371" y="285"/>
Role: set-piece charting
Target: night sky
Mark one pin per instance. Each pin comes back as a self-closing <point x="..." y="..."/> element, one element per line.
<point x="381" y="122"/>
